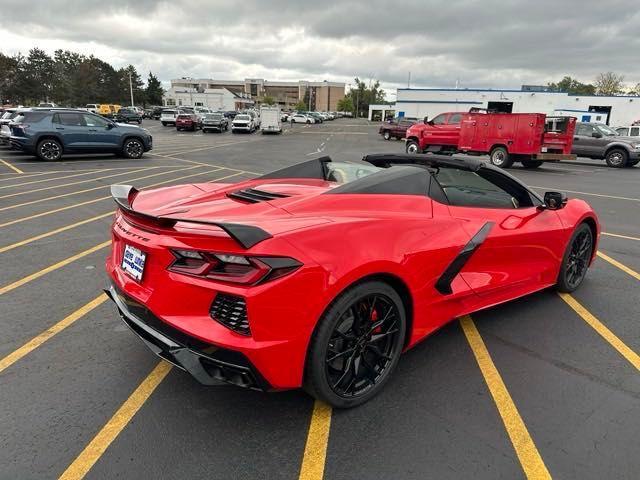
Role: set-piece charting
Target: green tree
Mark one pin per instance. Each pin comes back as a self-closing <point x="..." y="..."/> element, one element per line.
<point x="345" y="104"/>
<point x="364" y="95"/>
<point x="268" y="100"/>
<point x="573" y="86"/>
<point x="154" y="91"/>
<point x="8" y="72"/>
<point x="301" y="106"/>
<point x="609" y="83"/>
<point x="124" y="96"/>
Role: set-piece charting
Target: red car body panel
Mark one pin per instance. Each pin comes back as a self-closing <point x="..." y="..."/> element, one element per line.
<point x="189" y="121"/>
<point x="339" y="239"/>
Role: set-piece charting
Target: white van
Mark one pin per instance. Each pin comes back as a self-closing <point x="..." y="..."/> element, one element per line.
<point x="270" y="119"/>
<point x="168" y="116"/>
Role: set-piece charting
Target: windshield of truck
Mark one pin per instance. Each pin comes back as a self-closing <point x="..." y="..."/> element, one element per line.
<point x="243" y="117"/>
<point x="606" y="130"/>
<point x="213" y="116"/>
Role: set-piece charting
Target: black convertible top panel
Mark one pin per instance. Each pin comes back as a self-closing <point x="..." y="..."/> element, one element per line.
<point x="310" y="169"/>
<point x="401" y="180"/>
<point x="386" y="160"/>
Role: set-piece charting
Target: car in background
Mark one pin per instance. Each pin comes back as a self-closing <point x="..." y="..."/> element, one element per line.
<point x="47" y="105"/>
<point x="92" y="107"/>
<point x="214" y="122"/>
<point x="188" y="121"/>
<point x="285" y="116"/>
<point x="168" y="116"/>
<point x="270" y="119"/>
<point x="5" y="118"/>
<point x="231" y="114"/>
<point x="302" y="118"/>
<point x="156" y="112"/>
<point x="316" y="116"/>
<point x="599" y="141"/>
<point x="396" y="128"/>
<point x="52" y="133"/>
<point x="243" y="123"/>
<point x="629" y="131"/>
<point x="128" y="115"/>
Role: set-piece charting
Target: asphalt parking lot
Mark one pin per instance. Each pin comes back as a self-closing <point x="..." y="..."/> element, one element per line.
<point x="545" y="386"/>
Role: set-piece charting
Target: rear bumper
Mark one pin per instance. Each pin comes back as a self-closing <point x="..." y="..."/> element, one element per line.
<point x="208" y="364"/>
<point x="554" y="157"/>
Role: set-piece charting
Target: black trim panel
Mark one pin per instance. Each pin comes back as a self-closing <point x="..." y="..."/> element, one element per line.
<point x="443" y="284"/>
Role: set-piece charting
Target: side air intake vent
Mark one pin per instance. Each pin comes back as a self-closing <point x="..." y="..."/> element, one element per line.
<point x="231" y="311"/>
<point x="252" y="195"/>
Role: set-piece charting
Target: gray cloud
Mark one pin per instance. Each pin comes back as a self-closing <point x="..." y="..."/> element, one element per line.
<point x="478" y="42"/>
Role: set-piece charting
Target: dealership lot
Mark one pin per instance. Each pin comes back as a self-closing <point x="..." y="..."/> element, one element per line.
<point x="543" y="386"/>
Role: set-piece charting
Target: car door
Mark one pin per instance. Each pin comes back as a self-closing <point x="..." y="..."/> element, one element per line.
<point x="519" y="244"/>
<point x="581" y="139"/>
<point x="72" y="129"/>
<point x="101" y="134"/>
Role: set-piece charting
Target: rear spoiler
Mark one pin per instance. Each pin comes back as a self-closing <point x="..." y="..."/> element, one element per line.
<point x="245" y="235"/>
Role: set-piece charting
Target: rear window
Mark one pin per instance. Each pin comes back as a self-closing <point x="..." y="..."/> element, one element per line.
<point x="184" y="117"/>
<point x="168" y="112"/>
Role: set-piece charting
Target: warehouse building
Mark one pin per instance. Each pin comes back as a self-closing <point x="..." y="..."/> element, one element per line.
<point x="214" y="98"/>
<point x="612" y="110"/>
<point x="318" y="96"/>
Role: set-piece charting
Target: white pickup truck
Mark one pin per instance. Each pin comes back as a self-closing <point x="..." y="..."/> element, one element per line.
<point x="270" y="119"/>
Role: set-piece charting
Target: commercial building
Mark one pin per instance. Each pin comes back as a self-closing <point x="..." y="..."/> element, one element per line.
<point x="612" y="110"/>
<point x="214" y="98"/>
<point x="318" y="96"/>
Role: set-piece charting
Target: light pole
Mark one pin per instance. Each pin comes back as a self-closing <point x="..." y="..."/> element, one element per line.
<point x="131" y="88"/>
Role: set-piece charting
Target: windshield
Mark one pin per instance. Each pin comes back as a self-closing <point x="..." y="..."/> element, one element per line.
<point x="213" y="116"/>
<point x="243" y="117"/>
<point x="345" y="172"/>
<point x="606" y="130"/>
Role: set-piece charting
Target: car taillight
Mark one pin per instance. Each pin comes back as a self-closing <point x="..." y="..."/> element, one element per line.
<point x="232" y="268"/>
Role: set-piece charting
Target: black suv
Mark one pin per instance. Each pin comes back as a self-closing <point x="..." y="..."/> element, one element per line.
<point x="126" y="115"/>
<point x="50" y="133"/>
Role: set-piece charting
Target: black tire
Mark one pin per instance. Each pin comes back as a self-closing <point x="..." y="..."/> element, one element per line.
<point x="308" y="122"/>
<point x="140" y="122"/>
<point x="500" y="157"/>
<point x="339" y="382"/>
<point x="164" y="124"/>
<point x="617" y="158"/>
<point x="412" y="147"/>
<point x="386" y="135"/>
<point x="49" y="150"/>
<point x="528" y="164"/>
<point x="204" y="130"/>
<point x="632" y="163"/>
<point x="132" y="148"/>
<point x="575" y="261"/>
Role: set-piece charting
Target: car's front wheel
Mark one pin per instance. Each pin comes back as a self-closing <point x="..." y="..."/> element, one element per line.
<point x="132" y="148"/>
<point x="356" y="345"/>
<point x="386" y="135"/>
<point x="412" y="147"/>
<point x="575" y="261"/>
<point x="617" y="158"/>
<point x="49" y="150"/>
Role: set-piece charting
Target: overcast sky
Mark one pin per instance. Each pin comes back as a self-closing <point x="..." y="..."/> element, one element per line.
<point x="480" y="43"/>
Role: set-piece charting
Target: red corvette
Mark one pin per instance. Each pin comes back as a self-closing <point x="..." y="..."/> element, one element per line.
<point x="321" y="274"/>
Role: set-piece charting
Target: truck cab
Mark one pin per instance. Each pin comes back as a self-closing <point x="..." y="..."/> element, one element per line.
<point x="441" y="132"/>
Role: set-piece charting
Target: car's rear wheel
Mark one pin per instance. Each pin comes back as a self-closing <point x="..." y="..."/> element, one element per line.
<point x="531" y="163"/>
<point x="387" y="135"/>
<point x="412" y="147"/>
<point x="499" y="157"/>
<point x="132" y="148"/>
<point x="575" y="261"/>
<point x="617" y="158"/>
<point x="356" y="345"/>
<point x="49" y="150"/>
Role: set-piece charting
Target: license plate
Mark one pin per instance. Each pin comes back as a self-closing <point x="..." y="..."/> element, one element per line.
<point x="544" y="149"/>
<point x="133" y="262"/>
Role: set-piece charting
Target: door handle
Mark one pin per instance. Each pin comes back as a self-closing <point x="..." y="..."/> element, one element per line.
<point x="93" y="129"/>
<point x="59" y="128"/>
<point x="575" y="139"/>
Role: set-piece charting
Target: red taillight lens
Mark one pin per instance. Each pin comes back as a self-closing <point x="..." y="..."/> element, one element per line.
<point x="232" y="268"/>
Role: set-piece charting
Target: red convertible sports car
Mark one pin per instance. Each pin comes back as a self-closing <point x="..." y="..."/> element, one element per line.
<point x="320" y="274"/>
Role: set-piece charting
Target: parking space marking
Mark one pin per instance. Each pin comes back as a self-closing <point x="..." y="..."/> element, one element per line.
<point x="632" y="357"/>
<point x="626" y="237"/>
<point x="206" y="164"/>
<point x="315" y="450"/>
<point x="50" y="332"/>
<point x="334" y="133"/>
<point x="180" y="152"/>
<point x="15" y="169"/>
<point x="99" y="444"/>
<point x="586" y="193"/>
<point x="618" y="264"/>
<point x="88" y="202"/>
<point x="51" y="268"/>
<point x="53" y="179"/>
<point x="526" y="450"/>
<point x="103" y="215"/>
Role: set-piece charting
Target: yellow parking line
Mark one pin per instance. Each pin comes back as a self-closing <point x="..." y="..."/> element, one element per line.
<point x="88" y="202"/>
<point x="632" y="357"/>
<point x="621" y="266"/>
<point x="96" y="448"/>
<point x="206" y="164"/>
<point x="12" y="175"/>
<point x="315" y="450"/>
<point x="526" y="450"/>
<point x="35" y="342"/>
<point x="15" y="169"/>
<point x="53" y="179"/>
<point x="51" y="268"/>
<point x="626" y="237"/>
<point x="97" y="217"/>
<point x="28" y="191"/>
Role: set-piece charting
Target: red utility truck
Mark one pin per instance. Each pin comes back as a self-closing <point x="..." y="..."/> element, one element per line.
<point x="530" y="138"/>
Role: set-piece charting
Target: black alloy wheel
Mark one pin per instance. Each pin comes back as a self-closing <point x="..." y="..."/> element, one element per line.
<point x="575" y="262"/>
<point x="132" y="148"/>
<point x="357" y="345"/>
<point x="49" y="150"/>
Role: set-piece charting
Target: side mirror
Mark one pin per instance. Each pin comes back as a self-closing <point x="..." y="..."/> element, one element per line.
<point x="425" y="119"/>
<point x="555" y="200"/>
<point x="596" y="135"/>
<point x="111" y="125"/>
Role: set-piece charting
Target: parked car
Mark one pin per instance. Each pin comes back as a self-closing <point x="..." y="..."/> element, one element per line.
<point x="188" y="121"/>
<point x="396" y="128"/>
<point x="5" y="118"/>
<point x="92" y="107"/>
<point x="127" y="115"/>
<point x="316" y="116"/>
<point x="214" y="122"/>
<point x="302" y="118"/>
<point x="270" y="119"/>
<point x="51" y="133"/>
<point x="156" y="112"/>
<point x="629" y="131"/>
<point x="285" y="116"/>
<point x="168" y="116"/>
<point x="231" y="114"/>
<point x="597" y="140"/>
<point x="243" y="123"/>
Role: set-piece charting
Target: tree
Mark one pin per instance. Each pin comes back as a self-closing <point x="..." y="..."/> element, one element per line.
<point x="345" y="104"/>
<point x="635" y="90"/>
<point x="362" y="96"/>
<point x="573" y="86"/>
<point x="8" y="72"/>
<point x="301" y="106"/>
<point x="154" y="91"/>
<point x="136" y="84"/>
<point x="268" y="100"/>
<point x="609" y="83"/>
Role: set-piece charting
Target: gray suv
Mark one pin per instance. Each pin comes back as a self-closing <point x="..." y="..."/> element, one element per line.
<point x="50" y="133"/>
<point x="596" y="140"/>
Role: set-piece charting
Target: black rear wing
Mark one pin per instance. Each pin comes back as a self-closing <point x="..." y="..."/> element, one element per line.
<point x="246" y="235"/>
